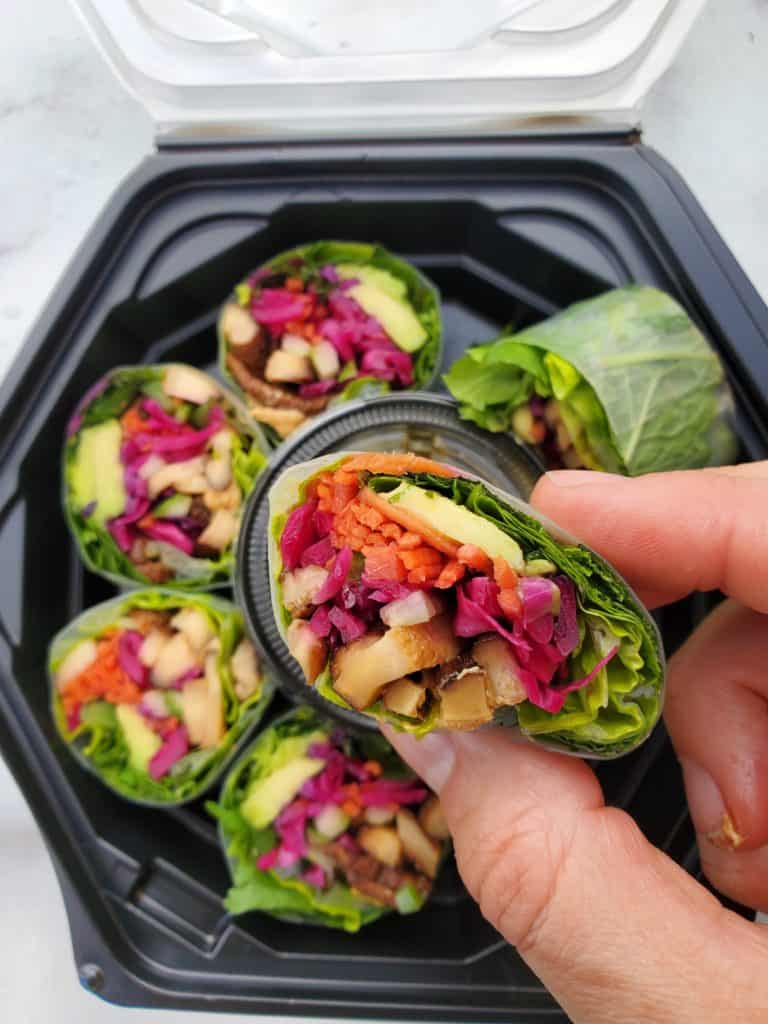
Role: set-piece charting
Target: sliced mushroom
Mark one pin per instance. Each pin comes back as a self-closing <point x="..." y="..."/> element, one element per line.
<point x="238" y="326"/>
<point x="300" y="587"/>
<point x="383" y="843"/>
<point x="288" y="368"/>
<point x="432" y="819"/>
<point x="195" y="626"/>
<point x="362" y="670"/>
<point x="230" y="498"/>
<point x="463" y="703"/>
<point x="502" y="672"/>
<point x="177" y="474"/>
<point x="220" y="532"/>
<point x="307" y="648"/>
<point x="153" y="644"/>
<point x="189" y="384"/>
<point x="452" y="670"/>
<point x="419" y="848"/>
<point x="245" y="669"/>
<point x="175" y="659"/>
<point x="202" y="707"/>
<point x="284" y="421"/>
<point x="404" y="697"/>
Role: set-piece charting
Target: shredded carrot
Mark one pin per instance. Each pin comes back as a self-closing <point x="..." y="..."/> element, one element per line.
<point x="510" y="603"/>
<point x="451" y="573"/>
<point x="103" y="679"/>
<point x="373" y="768"/>
<point x="421" y="557"/>
<point x="132" y="422"/>
<point x="421" y="576"/>
<point x="293" y="284"/>
<point x="396" y="464"/>
<point x="383" y="563"/>
<point x="367" y="515"/>
<point x="409" y="541"/>
<point x="504" y="574"/>
<point x="475" y="558"/>
<point x="392" y="531"/>
<point x="411" y="522"/>
<point x="351" y="808"/>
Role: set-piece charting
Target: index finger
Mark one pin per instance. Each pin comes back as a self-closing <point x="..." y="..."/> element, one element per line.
<point x="671" y="533"/>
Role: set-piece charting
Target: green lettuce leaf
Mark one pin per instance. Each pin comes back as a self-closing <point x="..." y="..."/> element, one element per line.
<point x="422" y="295"/>
<point x="98" y="743"/>
<point x="268" y="891"/>
<point x="618" y="710"/>
<point x="639" y="386"/>
<point x="97" y="547"/>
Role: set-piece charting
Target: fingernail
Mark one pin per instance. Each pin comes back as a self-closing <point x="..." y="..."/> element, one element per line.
<point x="707" y="807"/>
<point x="432" y="757"/>
<point x="576" y="477"/>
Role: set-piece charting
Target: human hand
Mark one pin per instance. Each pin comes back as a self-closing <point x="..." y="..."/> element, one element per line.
<point x="614" y="928"/>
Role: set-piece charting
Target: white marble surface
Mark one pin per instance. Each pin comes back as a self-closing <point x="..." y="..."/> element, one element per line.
<point x="68" y="134"/>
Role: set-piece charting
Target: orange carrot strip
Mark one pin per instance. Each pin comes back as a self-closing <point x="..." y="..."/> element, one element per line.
<point x="510" y="604"/>
<point x="475" y="558"/>
<point x="504" y="574"/>
<point x="409" y="541"/>
<point x="396" y="465"/>
<point x="451" y="573"/>
<point x="410" y="522"/>
<point x="421" y="557"/>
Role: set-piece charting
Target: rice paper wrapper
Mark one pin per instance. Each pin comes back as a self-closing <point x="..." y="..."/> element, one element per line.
<point x="97" y="548"/>
<point x="102" y="755"/>
<point x="608" y="718"/>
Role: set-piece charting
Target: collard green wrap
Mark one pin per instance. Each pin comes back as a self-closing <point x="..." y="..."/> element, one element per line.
<point x="285" y="866"/>
<point x="368" y="358"/>
<point x="617" y="655"/>
<point x="107" y="494"/>
<point x="633" y="382"/>
<point x="97" y="740"/>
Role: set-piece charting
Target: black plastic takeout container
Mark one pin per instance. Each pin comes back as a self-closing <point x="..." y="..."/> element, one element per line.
<point x="509" y="230"/>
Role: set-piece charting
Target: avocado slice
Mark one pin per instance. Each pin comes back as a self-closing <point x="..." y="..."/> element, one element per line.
<point x="175" y="507"/>
<point x="96" y="474"/>
<point x="395" y="316"/>
<point x="267" y="797"/>
<point x="142" y="743"/>
<point x="457" y="522"/>
<point x="375" y="276"/>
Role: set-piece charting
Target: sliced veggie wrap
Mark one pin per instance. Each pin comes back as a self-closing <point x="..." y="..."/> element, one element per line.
<point x="624" y="383"/>
<point x="431" y="600"/>
<point x="154" y="690"/>
<point x="326" y="323"/>
<point x="322" y="827"/>
<point x="157" y="464"/>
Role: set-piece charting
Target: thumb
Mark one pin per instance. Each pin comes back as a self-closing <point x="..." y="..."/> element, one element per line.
<point x="613" y="928"/>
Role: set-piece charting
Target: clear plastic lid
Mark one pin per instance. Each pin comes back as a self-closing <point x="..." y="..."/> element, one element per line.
<point x="334" y="67"/>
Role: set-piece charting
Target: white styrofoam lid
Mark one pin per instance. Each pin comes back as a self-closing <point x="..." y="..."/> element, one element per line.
<point x="340" y="67"/>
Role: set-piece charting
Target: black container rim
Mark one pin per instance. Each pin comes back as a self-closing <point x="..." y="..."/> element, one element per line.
<point x="431" y="426"/>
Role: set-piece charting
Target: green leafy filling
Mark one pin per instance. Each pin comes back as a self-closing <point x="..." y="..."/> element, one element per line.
<point x="639" y="387"/>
